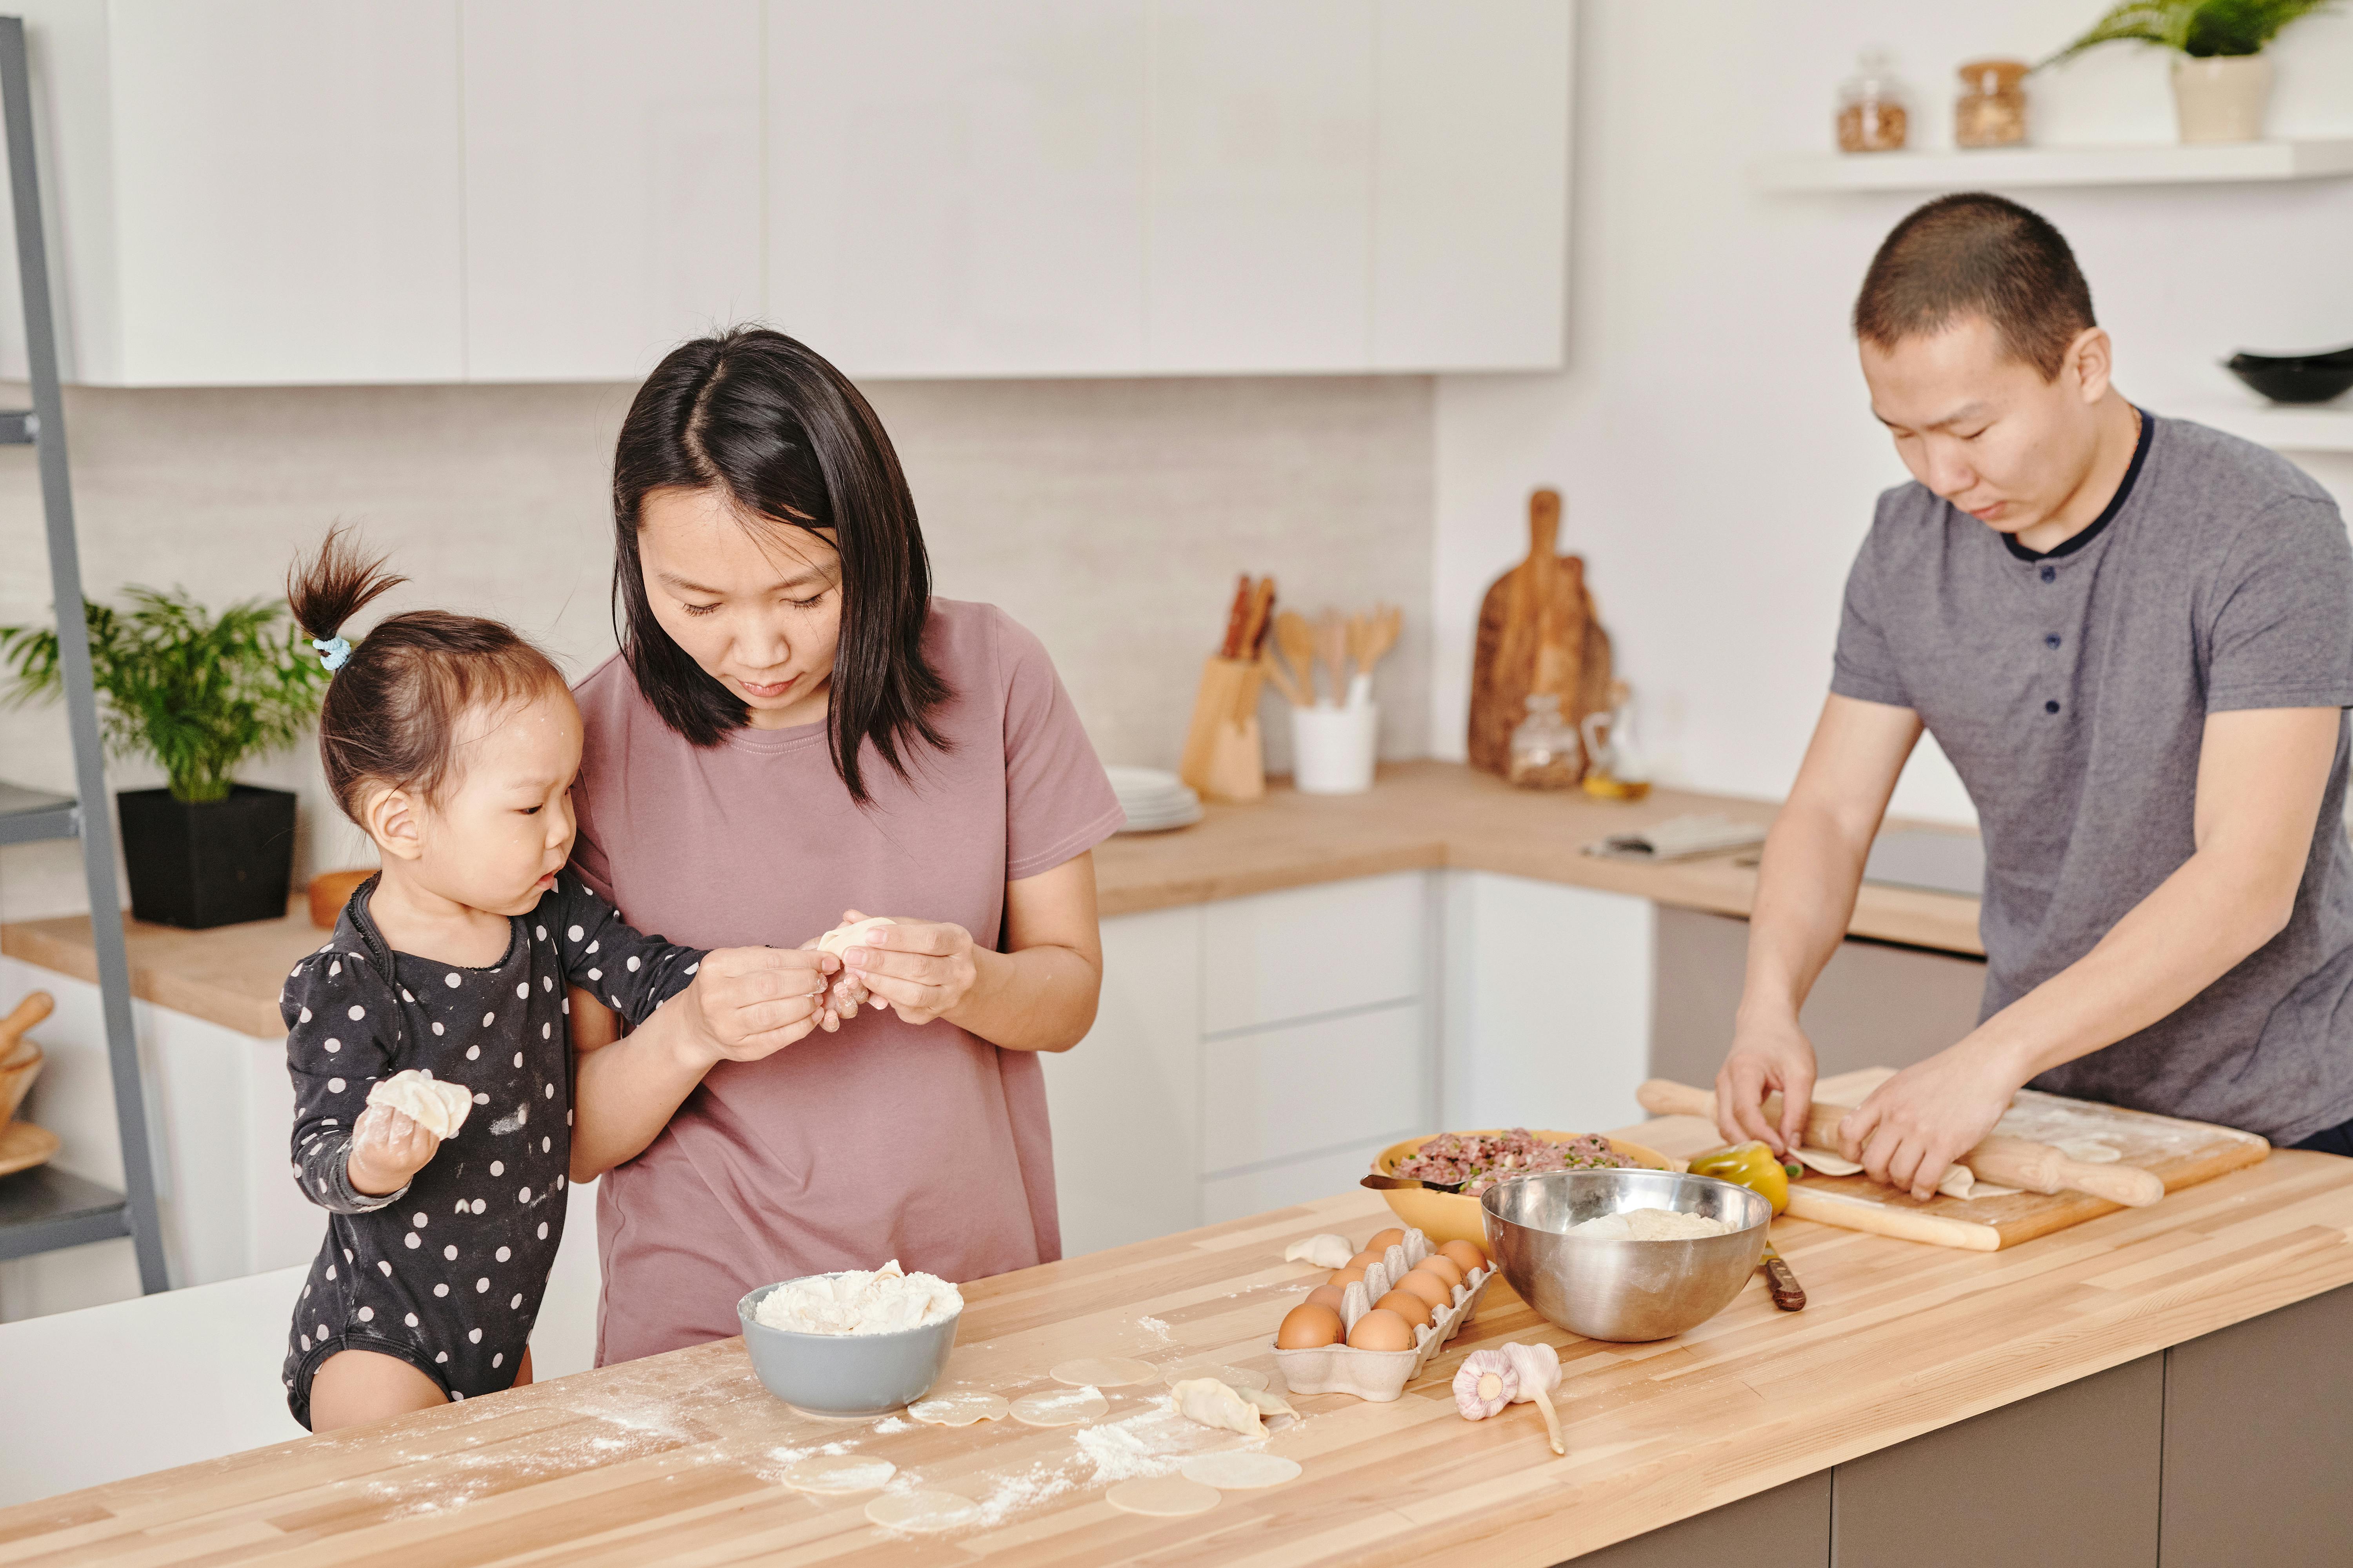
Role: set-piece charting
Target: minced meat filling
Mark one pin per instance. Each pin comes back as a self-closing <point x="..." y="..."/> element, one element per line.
<point x="1477" y="1161"/>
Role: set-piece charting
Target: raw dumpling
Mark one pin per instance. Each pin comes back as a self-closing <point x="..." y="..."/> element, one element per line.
<point x="841" y="939"/>
<point x="438" y="1107"/>
<point x="1324" y="1251"/>
<point x="1958" y="1182"/>
<point x="1650" y="1225"/>
<point x="1212" y="1403"/>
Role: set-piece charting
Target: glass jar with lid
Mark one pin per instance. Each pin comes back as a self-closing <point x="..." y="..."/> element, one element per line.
<point x="1546" y="750"/>
<point x="1873" y="116"/>
<point x="1991" y="109"/>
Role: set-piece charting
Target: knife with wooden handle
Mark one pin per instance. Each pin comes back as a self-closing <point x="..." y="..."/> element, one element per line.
<point x="2012" y="1162"/>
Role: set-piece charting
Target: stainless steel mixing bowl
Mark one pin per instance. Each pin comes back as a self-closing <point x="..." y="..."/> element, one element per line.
<point x="1625" y="1290"/>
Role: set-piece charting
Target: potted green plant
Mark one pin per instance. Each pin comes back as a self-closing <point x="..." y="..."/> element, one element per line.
<point x="197" y="693"/>
<point x="2222" y="81"/>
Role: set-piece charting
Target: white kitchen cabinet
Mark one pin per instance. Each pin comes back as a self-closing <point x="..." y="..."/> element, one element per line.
<point x="1471" y="184"/>
<point x="285" y="192"/>
<point x="1306" y="1089"/>
<point x="1547" y="1003"/>
<point x="958" y="189"/>
<point x="1308" y="952"/>
<point x="613" y="196"/>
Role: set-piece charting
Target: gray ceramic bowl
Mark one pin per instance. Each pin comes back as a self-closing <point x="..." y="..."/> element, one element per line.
<point x="844" y="1374"/>
<point x="1623" y="1290"/>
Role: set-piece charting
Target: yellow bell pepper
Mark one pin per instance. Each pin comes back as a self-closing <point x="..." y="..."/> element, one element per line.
<point x="1752" y="1165"/>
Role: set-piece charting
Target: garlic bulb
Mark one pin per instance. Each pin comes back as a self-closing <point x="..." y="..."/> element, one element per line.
<point x="1485" y="1383"/>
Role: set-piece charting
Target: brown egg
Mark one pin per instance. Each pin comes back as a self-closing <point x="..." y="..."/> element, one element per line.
<point x="1468" y="1255"/>
<point x="1347" y="1276"/>
<point x="1441" y="1266"/>
<point x="1384" y="1239"/>
<point x="1364" y="1260"/>
<point x="1406" y="1305"/>
<point x="1307" y="1327"/>
<point x="1380" y="1331"/>
<point x="1430" y="1288"/>
<point x="1326" y="1296"/>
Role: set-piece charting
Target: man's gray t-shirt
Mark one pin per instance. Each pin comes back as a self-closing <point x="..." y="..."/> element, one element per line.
<point x="2071" y="691"/>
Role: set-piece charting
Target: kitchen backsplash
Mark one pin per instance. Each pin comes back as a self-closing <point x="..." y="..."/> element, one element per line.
<point x="1108" y="517"/>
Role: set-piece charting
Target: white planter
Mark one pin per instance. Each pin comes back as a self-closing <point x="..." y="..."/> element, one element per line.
<point x="2221" y="97"/>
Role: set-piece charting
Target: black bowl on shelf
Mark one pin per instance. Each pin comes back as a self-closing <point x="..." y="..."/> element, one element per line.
<point x="2296" y="378"/>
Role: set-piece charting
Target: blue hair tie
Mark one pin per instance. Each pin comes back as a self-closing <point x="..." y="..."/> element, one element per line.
<point x="332" y="651"/>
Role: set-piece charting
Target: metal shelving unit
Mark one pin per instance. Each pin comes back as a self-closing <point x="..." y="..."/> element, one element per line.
<point x="44" y="1209"/>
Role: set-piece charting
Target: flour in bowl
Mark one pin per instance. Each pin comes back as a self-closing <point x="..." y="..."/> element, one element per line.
<point x="1650" y="1225"/>
<point x="888" y="1301"/>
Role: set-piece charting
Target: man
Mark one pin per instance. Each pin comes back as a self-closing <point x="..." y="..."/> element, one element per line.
<point x="2134" y="638"/>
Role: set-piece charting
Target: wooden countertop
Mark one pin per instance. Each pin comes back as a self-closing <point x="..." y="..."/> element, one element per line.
<point x="1419" y="817"/>
<point x="671" y="1457"/>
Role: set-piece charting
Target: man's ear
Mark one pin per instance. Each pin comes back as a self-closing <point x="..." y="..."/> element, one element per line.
<point x="2091" y="357"/>
<point x="394" y="818"/>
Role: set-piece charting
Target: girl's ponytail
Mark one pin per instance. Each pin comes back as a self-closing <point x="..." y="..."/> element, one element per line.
<point x="336" y="585"/>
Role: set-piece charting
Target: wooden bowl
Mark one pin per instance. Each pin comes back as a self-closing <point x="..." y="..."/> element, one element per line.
<point x="1452" y="1216"/>
<point x="330" y="891"/>
<point x="18" y="1068"/>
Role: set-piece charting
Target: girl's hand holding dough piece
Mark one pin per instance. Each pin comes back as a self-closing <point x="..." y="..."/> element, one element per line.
<point x="919" y="969"/>
<point x="747" y="1003"/>
<point x="387" y="1148"/>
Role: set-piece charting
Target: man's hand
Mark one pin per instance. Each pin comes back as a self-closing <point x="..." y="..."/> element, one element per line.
<point x="1765" y="1057"/>
<point x="747" y="1003"/>
<point x="1926" y="1117"/>
<point x="387" y="1148"/>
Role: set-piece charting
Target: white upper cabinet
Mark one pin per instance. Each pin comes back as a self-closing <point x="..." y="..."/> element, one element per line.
<point x="957" y="189"/>
<point x="612" y="177"/>
<point x="1263" y="130"/>
<point x="285" y="192"/>
<point x="1471" y="187"/>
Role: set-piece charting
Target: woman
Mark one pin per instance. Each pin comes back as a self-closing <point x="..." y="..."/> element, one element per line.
<point x="793" y="732"/>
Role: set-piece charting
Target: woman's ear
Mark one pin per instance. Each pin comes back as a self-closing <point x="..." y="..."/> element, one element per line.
<point x="393" y="819"/>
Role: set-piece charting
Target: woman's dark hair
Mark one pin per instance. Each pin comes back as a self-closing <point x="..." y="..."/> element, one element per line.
<point x="393" y="711"/>
<point x="790" y="441"/>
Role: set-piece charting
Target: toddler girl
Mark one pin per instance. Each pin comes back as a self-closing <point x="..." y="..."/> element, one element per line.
<point x="452" y="743"/>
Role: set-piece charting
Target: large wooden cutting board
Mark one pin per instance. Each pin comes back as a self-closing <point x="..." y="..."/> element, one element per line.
<point x="1537" y="632"/>
<point x="2182" y="1153"/>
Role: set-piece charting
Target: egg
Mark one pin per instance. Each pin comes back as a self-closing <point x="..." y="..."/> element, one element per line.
<point x="1430" y="1288"/>
<point x="1330" y="1295"/>
<point x="1308" y="1327"/>
<point x="1381" y="1331"/>
<point x="1444" y="1268"/>
<point x="1406" y="1305"/>
<point x="1364" y="1260"/>
<point x="1383" y="1240"/>
<point x="1468" y="1255"/>
<point x="1347" y="1276"/>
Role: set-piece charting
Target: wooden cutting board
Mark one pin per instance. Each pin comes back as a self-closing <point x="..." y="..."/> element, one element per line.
<point x="2182" y="1153"/>
<point x="1538" y="633"/>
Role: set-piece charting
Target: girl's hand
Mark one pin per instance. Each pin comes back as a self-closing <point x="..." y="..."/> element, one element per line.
<point x="919" y="969"/>
<point x="387" y="1148"/>
<point x="747" y="1003"/>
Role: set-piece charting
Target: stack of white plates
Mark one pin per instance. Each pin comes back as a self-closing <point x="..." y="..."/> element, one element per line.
<point x="1154" y="799"/>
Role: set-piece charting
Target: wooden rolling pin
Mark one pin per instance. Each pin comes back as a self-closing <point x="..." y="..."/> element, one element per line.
<point x="2011" y="1162"/>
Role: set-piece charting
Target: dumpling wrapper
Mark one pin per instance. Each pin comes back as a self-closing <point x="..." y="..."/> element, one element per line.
<point x="1327" y="1251"/>
<point x="842" y="938"/>
<point x="438" y="1107"/>
<point x="1211" y="1404"/>
<point x="1958" y="1182"/>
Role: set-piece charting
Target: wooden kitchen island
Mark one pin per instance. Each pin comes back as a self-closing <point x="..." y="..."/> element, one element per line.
<point x="2189" y="1358"/>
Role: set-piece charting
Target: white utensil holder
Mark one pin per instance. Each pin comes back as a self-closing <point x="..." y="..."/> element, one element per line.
<point x="1331" y="749"/>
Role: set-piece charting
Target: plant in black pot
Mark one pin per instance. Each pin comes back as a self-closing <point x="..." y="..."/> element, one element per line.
<point x="197" y="693"/>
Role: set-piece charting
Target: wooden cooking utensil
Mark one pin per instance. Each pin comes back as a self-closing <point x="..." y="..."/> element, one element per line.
<point x="1331" y="647"/>
<point x="1281" y="678"/>
<point x="1538" y="633"/>
<point x="1296" y="640"/>
<point x="20" y="1058"/>
<point x="2012" y="1162"/>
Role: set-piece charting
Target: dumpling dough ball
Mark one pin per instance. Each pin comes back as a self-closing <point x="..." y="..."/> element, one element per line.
<point x="438" y="1107"/>
<point x="842" y="938"/>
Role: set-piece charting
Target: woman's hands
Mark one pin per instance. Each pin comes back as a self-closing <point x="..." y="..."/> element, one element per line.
<point x="1767" y="1055"/>
<point x="919" y="969"/>
<point x="1926" y="1117"/>
<point x="747" y="1003"/>
<point x="387" y="1148"/>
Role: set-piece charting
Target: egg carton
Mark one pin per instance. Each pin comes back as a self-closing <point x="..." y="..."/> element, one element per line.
<point x="1381" y="1376"/>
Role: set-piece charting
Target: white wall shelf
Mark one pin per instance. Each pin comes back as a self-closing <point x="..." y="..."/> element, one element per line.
<point x="2012" y="168"/>
<point x="2307" y="427"/>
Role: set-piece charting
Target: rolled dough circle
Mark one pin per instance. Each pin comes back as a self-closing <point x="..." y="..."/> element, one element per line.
<point x="838" y="1473"/>
<point x="1231" y="1376"/>
<point x="958" y="1410"/>
<point x="1104" y="1371"/>
<point x="1163" y="1496"/>
<point x="2091" y="1151"/>
<point x="1240" y="1471"/>
<point x="1061" y="1407"/>
<point x="922" y="1512"/>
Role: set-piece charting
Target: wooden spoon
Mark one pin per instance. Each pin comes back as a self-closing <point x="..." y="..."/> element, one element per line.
<point x="35" y="1007"/>
<point x="1296" y="638"/>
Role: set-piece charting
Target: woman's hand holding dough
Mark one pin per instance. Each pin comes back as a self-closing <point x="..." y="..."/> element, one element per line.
<point x="387" y="1148"/>
<point x="747" y="1003"/>
<point x="919" y="969"/>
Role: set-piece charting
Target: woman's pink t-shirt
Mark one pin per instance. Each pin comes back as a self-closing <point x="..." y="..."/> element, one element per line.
<point x="885" y="1140"/>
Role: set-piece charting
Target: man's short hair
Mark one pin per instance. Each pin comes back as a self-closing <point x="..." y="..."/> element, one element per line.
<point x="1976" y="254"/>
